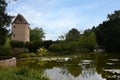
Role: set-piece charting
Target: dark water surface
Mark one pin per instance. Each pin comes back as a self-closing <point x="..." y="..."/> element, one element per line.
<point x="80" y="67"/>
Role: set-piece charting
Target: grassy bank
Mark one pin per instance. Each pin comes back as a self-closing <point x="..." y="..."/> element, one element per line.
<point x="21" y="74"/>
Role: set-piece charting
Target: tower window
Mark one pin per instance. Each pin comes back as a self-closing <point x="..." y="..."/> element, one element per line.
<point x="13" y="35"/>
<point x="14" y="26"/>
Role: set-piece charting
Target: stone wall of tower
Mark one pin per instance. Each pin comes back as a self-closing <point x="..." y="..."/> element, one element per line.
<point x="20" y="32"/>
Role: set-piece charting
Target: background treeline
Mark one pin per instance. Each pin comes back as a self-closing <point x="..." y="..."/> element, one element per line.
<point x="72" y="42"/>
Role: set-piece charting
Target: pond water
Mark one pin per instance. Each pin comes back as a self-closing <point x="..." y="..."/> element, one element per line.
<point x="78" y="67"/>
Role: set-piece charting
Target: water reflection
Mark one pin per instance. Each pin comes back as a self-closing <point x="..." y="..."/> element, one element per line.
<point x="86" y="67"/>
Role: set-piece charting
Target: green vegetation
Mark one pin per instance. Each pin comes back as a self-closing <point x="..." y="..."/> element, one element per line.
<point x="36" y="34"/>
<point x="21" y="74"/>
<point x="42" y="52"/>
<point x="73" y="35"/>
<point x="5" y="19"/>
<point x="74" y="42"/>
<point x="5" y="51"/>
<point x="108" y="33"/>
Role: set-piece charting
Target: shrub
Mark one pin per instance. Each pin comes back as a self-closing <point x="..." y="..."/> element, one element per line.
<point x="18" y="44"/>
<point x="42" y="52"/>
<point x="24" y="55"/>
<point x="5" y="51"/>
<point x="21" y="74"/>
<point x="33" y="46"/>
<point x="84" y="50"/>
<point x="22" y="71"/>
<point x="17" y="51"/>
<point x="32" y="55"/>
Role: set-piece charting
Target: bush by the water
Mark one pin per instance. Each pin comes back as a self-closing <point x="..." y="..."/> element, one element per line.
<point x="21" y="74"/>
<point x="24" y="55"/>
<point x="27" y="55"/>
<point x="5" y="51"/>
<point x="42" y="52"/>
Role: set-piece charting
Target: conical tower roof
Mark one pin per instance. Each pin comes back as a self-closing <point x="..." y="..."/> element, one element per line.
<point x="20" y="20"/>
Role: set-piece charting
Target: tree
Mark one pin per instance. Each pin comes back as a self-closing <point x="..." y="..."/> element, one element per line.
<point x="115" y="15"/>
<point x="37" y="34"/>
<point x="108" y="33"/>
<point x="62" y="37"/>
<point x="72" y="35"/>
<point x="5" y="19"/>
<point x="88" y="40"/>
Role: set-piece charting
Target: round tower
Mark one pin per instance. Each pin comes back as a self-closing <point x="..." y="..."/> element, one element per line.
<point x="20" y="29"/>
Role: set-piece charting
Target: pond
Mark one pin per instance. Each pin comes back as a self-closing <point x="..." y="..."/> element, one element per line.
<point x="100" y="66"/>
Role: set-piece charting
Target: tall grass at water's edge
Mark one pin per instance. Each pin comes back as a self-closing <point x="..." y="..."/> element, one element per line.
<point x="21" y="74"/>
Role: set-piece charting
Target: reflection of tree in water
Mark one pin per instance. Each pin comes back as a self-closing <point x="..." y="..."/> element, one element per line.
<point x="33" y="64"/>
<point x="74" y="70"/>
<point x="71" y="71"/>
<point x="106" y="66"/>
<point x="88" y="70"/>
<point x="85" y="70"/>
<point x="64" y="70"/>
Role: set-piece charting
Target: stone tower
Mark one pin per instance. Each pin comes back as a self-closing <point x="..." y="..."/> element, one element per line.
<point x="20" y="29"/>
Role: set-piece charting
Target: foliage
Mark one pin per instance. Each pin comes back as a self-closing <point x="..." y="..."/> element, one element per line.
<point x="47" y="44"/>
<point x="17" y="51"/>
<point x="72" y="35"/>
<point x="5" y="19"/>
<point x="33" y="46"/>
<point x="5" y="51"/>
<point x="56" y="47"/>
<point x="32" y="55"/>
<point x="64" y="47"/>
<point x="36" y="34"/>
<point x="62" y="37"/>
<point x="24" y="55"/>
<point x="85" y="42"/>
<point x="88" y="40"/>
<point x="42" y="51"/>
<point x="28" y="46"/>
<point x="21" y="74"/>
<point x="107" y="33"/>
<point x="115" y="15"/>
<point x="17" y="44"/>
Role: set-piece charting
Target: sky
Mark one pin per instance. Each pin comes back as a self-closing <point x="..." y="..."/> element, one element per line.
<point x="57" y="17"/>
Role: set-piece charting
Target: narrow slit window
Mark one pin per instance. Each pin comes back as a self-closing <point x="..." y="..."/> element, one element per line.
<point x="13" y="35"/>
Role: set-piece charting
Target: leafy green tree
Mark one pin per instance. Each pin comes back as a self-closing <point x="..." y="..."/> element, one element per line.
<point x="88" y="40"/>
<point x="37" y="34"/>
<point x="47" y="44"/>
<point x="72" y="35"/>
<point x="5" y="19"/>
<point x="62" y="37"/>
<point x="115" y="15"/>
<point x="108" y="33"/>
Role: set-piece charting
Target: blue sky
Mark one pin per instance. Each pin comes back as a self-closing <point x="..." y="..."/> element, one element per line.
<point x="57" y="17"/>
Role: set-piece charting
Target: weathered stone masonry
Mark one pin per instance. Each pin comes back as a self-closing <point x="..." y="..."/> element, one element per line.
<point x="20" y="29"/>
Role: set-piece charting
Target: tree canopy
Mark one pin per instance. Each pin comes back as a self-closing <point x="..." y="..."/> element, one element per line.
<point x="5" y="19"/>
<point x="73" y="35"/>
<point x="37" y="34"/>
<point x="108" y="33"/>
